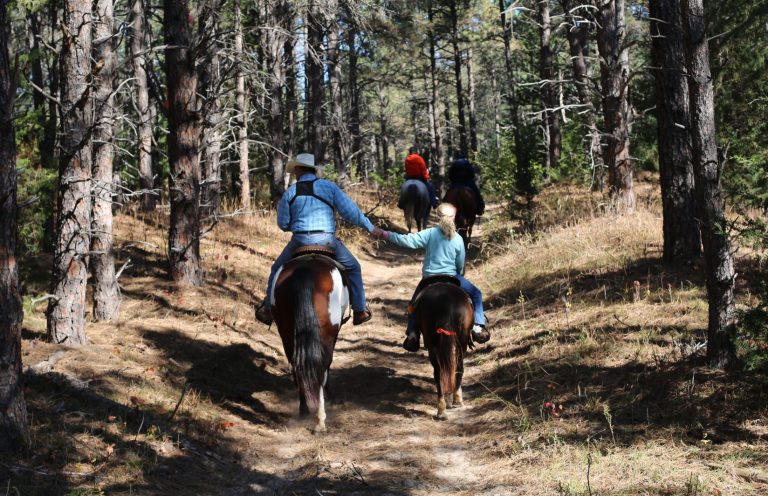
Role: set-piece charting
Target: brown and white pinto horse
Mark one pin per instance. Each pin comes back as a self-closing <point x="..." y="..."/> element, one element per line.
<point x="444" y="316"/>
<point x="308" y="304"/>
<point x="465" y="202"/>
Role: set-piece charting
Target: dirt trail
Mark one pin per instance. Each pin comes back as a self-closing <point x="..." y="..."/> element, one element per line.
<point x="383" y="437"/>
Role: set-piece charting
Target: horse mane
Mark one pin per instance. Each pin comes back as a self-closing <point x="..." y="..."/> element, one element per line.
<point x="308" y="354"/>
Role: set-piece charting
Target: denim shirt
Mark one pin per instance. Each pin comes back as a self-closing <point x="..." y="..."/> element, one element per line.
<point x="307" y="213"/>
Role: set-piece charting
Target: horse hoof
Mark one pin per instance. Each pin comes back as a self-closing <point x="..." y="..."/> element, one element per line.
<point x="319" y="428"/>
<point x="441" y="416"/>
<point x="457" y="404"/>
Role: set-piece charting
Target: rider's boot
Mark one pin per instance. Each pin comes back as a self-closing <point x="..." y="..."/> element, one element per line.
<point x="264" y="314"/>
<point x="480" y="334"/>
<point x="362" y="317"/>
<point x="412" y="337"/>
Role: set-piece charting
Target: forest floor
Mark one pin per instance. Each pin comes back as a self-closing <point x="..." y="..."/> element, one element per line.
<point x="593" y="382"/>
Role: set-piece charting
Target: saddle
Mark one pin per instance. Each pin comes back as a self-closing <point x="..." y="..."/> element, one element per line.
<point x="320" y="250"/>
<point x="428" y="281"/>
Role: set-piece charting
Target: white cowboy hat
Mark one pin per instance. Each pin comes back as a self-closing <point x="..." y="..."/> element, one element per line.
<point x="301" y="160"/>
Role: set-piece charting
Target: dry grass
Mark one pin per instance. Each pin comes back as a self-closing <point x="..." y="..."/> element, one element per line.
<point x="593" y="365"/>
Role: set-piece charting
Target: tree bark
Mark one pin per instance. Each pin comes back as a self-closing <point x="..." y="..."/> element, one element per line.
<point x="354" y="93"/>
<point x="275" y="42"/>
<point x="549" y="96"/>
<point x="66" y="310"/>
<point x="106" y="294"/>
<point x="13" y="409"/>
<point x="437" y="157"/>
<point x="314" y="75"/>
<point x="682" y="238"/>
<point x="471" y="101"/>
<point x="183" y="145"/>
<point x="213" y="117"/>
<point x="338" y="145"/>
<point x="383" y="130"/>
<point x="614" y="76"/>
<point x="721" y="333"/>
<point x="242" y="112"/>
<point x="457" y="61"/>
<point x="144" y="125"/>
<point x="291" y="100"/>
<point x="577" y="32"/>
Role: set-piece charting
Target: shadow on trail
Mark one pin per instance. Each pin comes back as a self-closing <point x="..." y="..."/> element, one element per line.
<point x="676" y="394"/>
<point x="229" y="375"/>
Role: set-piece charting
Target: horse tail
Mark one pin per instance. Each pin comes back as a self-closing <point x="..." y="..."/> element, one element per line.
<point x="447" y="351"/>
<point x="308" y="362"/>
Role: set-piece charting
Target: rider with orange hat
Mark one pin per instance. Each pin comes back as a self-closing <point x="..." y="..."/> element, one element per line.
<point x="416" y="168"/>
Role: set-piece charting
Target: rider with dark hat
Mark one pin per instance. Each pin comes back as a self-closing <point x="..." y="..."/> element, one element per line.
<point x="307" y="210"/>
<point x="463" y="173"/>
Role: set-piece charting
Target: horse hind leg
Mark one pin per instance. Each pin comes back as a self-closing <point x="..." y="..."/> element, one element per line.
<point x="320" y="427"/>
<point x="441" y="403"/>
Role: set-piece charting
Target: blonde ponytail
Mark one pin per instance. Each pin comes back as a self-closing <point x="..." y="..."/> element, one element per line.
<point x="446" y="214"/>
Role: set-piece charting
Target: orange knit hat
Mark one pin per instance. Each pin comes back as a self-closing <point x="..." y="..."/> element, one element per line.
<point x="414" y="160"/>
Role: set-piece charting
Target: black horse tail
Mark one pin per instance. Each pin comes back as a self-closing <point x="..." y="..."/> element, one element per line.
<point x="308" y="359"/>
<point x="448" y="351"/>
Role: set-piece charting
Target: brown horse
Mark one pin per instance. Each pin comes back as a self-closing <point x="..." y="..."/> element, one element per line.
<point x="443" y="314"/>
<point x="309" y="301"/>
<point x="465" y="202"/>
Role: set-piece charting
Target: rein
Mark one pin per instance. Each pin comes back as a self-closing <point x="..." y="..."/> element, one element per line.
<point x="440" y="330"/>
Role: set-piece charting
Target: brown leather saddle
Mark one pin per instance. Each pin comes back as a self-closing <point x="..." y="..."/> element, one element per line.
<point x="428" y="281"/>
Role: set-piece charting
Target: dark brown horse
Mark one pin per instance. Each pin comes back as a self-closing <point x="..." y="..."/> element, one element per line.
<point x="443" y="314"/>
<point x="414" y="201"/>
<point x="309" y="302"/>
<point x="465" y="202"/>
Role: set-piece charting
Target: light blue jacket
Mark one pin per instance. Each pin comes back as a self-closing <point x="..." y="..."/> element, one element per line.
<point x="307" y="213"/>
<point x="443" y="256"/>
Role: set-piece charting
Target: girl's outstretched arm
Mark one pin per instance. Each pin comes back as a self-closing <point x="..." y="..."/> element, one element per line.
<point x="414" y="240"/>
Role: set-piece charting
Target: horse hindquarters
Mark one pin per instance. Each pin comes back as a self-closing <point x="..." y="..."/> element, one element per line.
<point x="308" y="354"/>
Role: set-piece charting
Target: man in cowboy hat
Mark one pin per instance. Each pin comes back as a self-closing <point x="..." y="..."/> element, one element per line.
<point x="307" y="210"/>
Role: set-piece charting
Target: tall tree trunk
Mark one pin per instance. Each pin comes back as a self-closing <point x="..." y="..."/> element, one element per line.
<point x="314" y="75"/>
<point x="183" y="145"/>
<point x="334" y="85"/>
<point x="457" y="61"/>
<point x="577" y="32"/>
<point x="614" y="76"/>
<point x="437" y="157"/>
<point x="242" y="112"/>
<point x="549" y="95"/>
<point x="106" y="294"/>
<point x="66" y="310"/>
<point x="275" y="41"/>
<point x="449" y="130"/>
<point x="383" y="130"/>
<point x="291" y="100"/>
<point x="682" y="238"/>
<point x="710" y="200"/>
<point x="471" y="99"/>
<point x="354" y="92"/>
<point x="213" y="117"/>
<point x="144" y="126"/>
<point x="523" y="172"/>
<point x="13" y="414"/>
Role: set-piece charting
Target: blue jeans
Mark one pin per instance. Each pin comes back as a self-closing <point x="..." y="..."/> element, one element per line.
<point x="343" y="255"/>
<point x="477" y="302"/>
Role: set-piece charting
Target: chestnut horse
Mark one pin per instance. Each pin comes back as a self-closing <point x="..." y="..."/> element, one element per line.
<point x="444" y="315"/>
<point x="465" y="202"/>
<point x="308" y="304"/>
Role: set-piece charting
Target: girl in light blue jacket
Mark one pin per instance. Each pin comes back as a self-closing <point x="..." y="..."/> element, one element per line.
<point x="444" y="255"/>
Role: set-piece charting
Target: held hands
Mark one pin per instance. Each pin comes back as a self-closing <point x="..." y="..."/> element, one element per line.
<point x="379" y="233"/>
